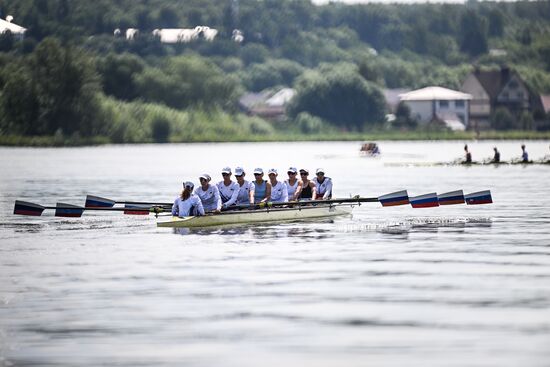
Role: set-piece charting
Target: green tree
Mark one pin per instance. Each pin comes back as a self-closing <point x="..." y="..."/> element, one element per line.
<point x="502" y="119"/>
<point x="474" y="33"/>
<point x="339" y="95"/>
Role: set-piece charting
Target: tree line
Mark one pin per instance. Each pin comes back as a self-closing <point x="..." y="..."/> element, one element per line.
<point x="69" y="71"/>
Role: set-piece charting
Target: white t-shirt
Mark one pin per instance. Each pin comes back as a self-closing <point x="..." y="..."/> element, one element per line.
<point x="210" y="198"/>
<point x="291" y="189"/>
<point x="324" y="189"/>
<point x="228" y="193"/>
<point x="279" y="192"/>
<point x="244" y="192"/>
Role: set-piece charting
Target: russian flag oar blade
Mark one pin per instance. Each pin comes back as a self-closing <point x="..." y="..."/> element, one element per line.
<point x="395" y="198"/>
<point x="98" y="202"/>
<point x="424" y="201"/>
<point x="480" y="197"/>
<point x="68" y="210"/>
<point x="26" y="208"/>
<point x="136" y="210"/>
<point x="450" y="198"/>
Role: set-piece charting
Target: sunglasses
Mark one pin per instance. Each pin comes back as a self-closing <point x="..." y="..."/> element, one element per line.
<point x="239" y="175"/>
<point x="226" y="174"/>
<point x="303" y="174"/>
<point x="258" y="174"/>
<point x="291" y="173"/>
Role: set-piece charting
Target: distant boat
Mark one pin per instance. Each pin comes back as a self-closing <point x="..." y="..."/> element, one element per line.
<point x="370" y="149"/>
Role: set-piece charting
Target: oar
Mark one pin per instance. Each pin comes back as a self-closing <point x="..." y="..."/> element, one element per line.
<point x="93" y="201"/>
<point x="69" y="210"/>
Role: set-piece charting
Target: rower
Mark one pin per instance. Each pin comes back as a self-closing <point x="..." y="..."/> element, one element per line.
<point x="262" y="188"/>
<point x="496" y="157"/>
<point x="323" y="185"/>
<point x="187" y="203"/>
<point x="279" y="191"/>
<point x="246" y="188"/>
<point x="524" y="154"/>
<point x="293" y="185"/>
<point x="209" y="194"/>
<point x="467" y="154"/>
<point x="309" y="190"/>
<point x="229" y="190"/>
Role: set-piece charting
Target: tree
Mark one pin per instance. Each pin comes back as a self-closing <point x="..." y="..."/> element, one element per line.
<point x="403" y="116"/>
<point x="502" y="119"/>
<point x="339" y="95"/>
<point x="474" y="33"/>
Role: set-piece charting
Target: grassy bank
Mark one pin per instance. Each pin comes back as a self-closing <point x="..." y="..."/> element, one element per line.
<point x="206" y="136"/>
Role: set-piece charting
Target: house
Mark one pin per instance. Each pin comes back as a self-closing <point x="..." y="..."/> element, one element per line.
<point x="498" y="88"/>
<point x="545" y="101"/>
<point x="267" y="104"/>
<point x="439" y="104"/>
<point x="17" y="31"/>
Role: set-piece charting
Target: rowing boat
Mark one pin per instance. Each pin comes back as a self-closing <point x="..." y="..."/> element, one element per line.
<point x="259" y="216"/>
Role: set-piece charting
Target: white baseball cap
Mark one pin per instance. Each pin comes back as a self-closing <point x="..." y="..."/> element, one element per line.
<point x="320" y="170"/>
<point x="259" y="171"/>
<point x="272" y="170"/>
<point x="226" y="170"/>
<point x="292" y="169"/>
<point x="304" y="170"/>
<point x="206" y="176"/>
<point x="239" y="171"/>
<point x="188" y="184"/>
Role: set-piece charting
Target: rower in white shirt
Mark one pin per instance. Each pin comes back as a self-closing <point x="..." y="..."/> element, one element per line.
<point x="279" y="191"/>
<point x="323" y="185"/>
<point x="293" y="185"/>
<point x="187" y="203"/>
<point x="229" y="190"/>
<point x="246" y="188"/>
<point x="209" y="194"/>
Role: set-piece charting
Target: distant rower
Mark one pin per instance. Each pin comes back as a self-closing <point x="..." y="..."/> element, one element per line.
<point x="467" y="155"/>
<point x="279" y="192"/>
<point x="496" y="157"/>
<point x="188" y="203"/>
<point x="524" y="154"/>
<point x="323" y="185"/>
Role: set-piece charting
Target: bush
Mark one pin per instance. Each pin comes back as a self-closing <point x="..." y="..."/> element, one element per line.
<point x="160" y="129"/>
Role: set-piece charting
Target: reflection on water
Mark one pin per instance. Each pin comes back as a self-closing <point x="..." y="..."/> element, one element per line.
<point x="458" y="285"/>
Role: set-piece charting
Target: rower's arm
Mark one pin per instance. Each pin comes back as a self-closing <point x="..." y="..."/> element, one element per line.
<point x="233" y="198"/>
<point x="199" y="207"/>
<point x="267" y="192"/>
<point x="251" y="193"/>
<point x="218" y="198"/>
<point x="175" y="208"/>
<point x="284" y="198"/>
<point x="328" y="191"/>
<point x="298" y="191"/>
<point x="313" y="189"/>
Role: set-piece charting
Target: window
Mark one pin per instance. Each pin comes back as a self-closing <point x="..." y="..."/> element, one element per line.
<point x="459" y="104"/>
<point x="443" y="104"/>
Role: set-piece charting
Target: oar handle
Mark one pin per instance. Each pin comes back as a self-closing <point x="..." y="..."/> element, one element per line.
<point x="269" y="204"/>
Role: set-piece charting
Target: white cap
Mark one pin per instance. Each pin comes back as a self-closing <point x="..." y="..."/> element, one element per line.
<point x="188" y="184"/>
<point x="292" y="169"/>
<point x="304" y="170"/>
<point x="320" y="170"/>
<point x="258" y="170"/>
<point x="226" y="170"/>
<point x="206" y="176"/>
<point x="239" y="171"/>
<point x="272" y="170"/>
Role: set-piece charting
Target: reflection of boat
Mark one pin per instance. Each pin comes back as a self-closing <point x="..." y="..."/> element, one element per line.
<point x="259" y="215"/>
<point x="370" y="149"/>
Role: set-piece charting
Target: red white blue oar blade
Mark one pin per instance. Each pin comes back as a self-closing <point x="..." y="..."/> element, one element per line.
<point x="26" y="208"/>
<point x="480" y="197"/>
<point x="136" y="209"/>
<point x="68" y="210"/>
<point x="395" y="198"/>
<point x="424" y="201"/>
<point x="451" y="198"/>
<point x="98" y="202"/>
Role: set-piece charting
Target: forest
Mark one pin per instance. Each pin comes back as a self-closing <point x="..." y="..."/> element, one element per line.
<point x="72" y="80"/>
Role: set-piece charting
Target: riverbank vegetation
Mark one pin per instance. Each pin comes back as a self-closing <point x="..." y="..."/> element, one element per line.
<point x="71" y="81"/>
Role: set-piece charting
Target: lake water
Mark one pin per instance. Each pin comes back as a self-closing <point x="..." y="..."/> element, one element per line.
<point x="454" y="286"/>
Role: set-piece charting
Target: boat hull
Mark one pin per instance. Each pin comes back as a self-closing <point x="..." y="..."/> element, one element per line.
<point x="257" y="216"/>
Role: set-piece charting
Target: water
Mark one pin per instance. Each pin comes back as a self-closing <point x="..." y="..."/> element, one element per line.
<point x="454" y="286"/>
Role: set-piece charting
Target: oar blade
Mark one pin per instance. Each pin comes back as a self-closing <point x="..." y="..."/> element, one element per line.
<point x="98" y="202"/>
<point x="136" y="209"/>
<point x="26" y="208"/>
<point x="480" y="197"/>
<point x="395" y="198"/>
<point x="424" y="201"/>
<point x="68" y="210"/>
<point x="451" y="198"/>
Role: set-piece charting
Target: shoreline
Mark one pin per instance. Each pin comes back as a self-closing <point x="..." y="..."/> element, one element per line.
<point x="56" y="141"/>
